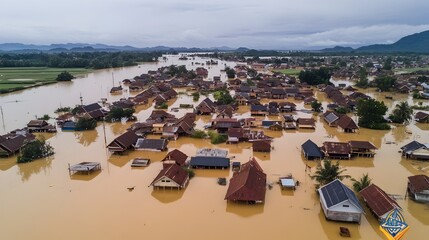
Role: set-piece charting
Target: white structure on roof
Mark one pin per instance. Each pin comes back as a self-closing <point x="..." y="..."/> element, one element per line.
<point x="211" y="152"/>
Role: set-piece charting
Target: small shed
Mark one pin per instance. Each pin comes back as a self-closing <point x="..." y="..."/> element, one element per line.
<point x="287" y="183"/>
<point x="339" y="203"/>
<point x="84" y="168"/>
<point x="140" y="162"/>
<point x="418" y="188"/>
<point x="422" y="117"/>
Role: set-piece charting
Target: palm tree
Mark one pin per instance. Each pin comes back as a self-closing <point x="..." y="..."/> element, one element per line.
<point x="402" y="113"/>
<point x="362" y="183"/>
<point x="327" y="172"/>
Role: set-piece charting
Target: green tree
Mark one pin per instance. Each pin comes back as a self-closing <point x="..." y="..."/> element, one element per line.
<point x="35" y="150"/>
<point x="371" y="114"/>
<point x="86" y="124"/>
<point x="384" y="83"/>
<point x="316" y="106"/>
<point x="362" y="183"/>
<point x="65" y="76"/>
<point x="402" y="113"/>
<point x="116" y="113"/>
<point x="195" y="96"/>
<point x="327" y="172"/>
<point x="388" y="64"/>
<point x="223" y="97"/>
<point x="230" y="73"/>
<point x="315" y="76"/>
<point x="363" y="78"/>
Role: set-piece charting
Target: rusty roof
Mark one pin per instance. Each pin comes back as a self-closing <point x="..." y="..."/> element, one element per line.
<point x="336" y="147"/>
<point x="378" y="201"/>
<point x="347" y="122"/>
<point x="419" y="182"/>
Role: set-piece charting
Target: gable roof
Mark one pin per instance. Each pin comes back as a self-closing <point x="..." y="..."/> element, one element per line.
<point x="419" y="182"/>
<point x="336" y="192"/>
<point x="249" y="184"/>
<point x="311" y="149"/>
<point x="91" y="107"/>
<point x="125" y="140"/>
<point x="331" y="117"/>
<point x="378" y="201"/>
<point x="336" y="147"/>
<point x="346" y="122"/>
<point x="157" y="144"/>
<point x="173" y="172"/>
<point x="412" y="146"/>
<point x="421" y="115"/>
<point x="362" y="144"/>
<point x="178" y="156"/>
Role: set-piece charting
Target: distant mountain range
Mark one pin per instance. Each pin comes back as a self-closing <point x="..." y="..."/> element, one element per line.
<point x="415" y="43"/>
<point x="85" y="47"/>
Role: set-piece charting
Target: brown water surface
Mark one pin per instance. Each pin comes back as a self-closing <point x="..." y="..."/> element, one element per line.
<point x="39" y="200"/>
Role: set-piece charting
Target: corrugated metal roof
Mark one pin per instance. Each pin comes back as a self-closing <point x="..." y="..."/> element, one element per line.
<point x="336" y="192"/>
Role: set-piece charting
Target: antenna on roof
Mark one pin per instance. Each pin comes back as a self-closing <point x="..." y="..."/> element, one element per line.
<point x="81" y="99"/>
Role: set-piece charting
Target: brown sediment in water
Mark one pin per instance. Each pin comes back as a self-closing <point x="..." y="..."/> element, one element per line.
<point x="40" y="200"/>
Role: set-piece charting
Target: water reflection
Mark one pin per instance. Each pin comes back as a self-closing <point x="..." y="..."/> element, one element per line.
<point x="85" y="177"/>
<point x="86" y="137"/>
<point x="332" y="228"/>
<point x="419" y="211"/>
<point x="167" y="195"/>
<point x="35" y="167"/>
<point x="244" y="210"/>
<point x="7" y="163"/>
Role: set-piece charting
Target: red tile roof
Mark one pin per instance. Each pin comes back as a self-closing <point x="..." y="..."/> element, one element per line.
<point x="249" y="184"/>
<point x="173" y="172"/>
<point x="178" y="156"/>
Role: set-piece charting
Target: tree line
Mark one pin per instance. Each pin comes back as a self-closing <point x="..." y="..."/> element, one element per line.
<point x="92" y="60"/>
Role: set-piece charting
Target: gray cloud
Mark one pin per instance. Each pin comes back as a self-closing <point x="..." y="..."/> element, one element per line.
<point x="269" y="24"/>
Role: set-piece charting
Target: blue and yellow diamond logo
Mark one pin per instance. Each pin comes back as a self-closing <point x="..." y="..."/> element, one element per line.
<point x="394" y="225"/>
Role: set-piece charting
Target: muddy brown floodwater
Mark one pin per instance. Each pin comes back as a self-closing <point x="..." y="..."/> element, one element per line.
<point x="39" y="200"/>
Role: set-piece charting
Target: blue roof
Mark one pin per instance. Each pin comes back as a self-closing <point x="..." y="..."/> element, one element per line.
<point x="336" y="192"/>
<point x="311" y="150"/>
<point x="203" y="161"/>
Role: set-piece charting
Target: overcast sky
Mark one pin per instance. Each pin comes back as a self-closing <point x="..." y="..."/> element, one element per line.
<point x="261" y="24"/>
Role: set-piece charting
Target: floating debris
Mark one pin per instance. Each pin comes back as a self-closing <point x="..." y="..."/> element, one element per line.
<point x="221" y="181"/>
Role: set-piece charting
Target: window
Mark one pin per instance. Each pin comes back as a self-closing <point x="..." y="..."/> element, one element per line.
<point x="345" y="205"/>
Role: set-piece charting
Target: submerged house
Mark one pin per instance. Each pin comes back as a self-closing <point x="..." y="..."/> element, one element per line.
<point x="339" y="203"/>
<point x="172" y="176"/>
<point x="422" y="117"/>
<point x="362" y="148"/>
<point x="306" y="123"/>
<point x="248" y="185"/>
<point x="347" y="124"/>
<point x="175" y="157"/>
<point x="416" y="150"/>
<point x="155" y="145"/>
<point x="338" y="150"/>
<point x="124" y="142"/>
<point x="11" y="143"/>
<point x="206" y="107"/>
<point x="378" y="201"/>
<point x="40" y="126"/>
<point x="92" y="111"/>
<point x="261" y="146"/>
<point x="209" y="162"/>
<point x="418" y="188"/>
<point x="311" y="151"/>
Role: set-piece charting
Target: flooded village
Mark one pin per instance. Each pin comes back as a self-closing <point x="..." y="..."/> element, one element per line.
<point x="207" y="155"/>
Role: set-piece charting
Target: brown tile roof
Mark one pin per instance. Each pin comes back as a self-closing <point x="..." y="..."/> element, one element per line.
<point x="37" y="123"/>
<point x="346" y="122"/>
<point x="362" y="144"/>
<point x="178" y="156"/>
<point x="305" y="121"/>
<point x="264" y="146"/>
<point x="173" y="172"/>
<point x="378" y="201"/>
<point x="419" y="182"/>
<point x="421" y="115"/>
<point x="249" y="184"/>
<point x="125" y="140"/>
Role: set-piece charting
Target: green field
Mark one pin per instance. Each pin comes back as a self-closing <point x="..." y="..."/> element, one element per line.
<point x="288" y="71"/>
<point x="410" y="70"/>
<point x="17" y="78"/>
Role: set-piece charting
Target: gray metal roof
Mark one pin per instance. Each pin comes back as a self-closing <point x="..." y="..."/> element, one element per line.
<point x="336" y="192"/>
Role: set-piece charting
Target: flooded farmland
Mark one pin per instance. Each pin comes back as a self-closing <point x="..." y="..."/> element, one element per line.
<point x="40" y="200"/>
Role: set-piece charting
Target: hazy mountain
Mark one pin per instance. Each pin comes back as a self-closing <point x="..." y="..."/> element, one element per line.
<point x="418" y="42"/>
<point x="337" y="49"/>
